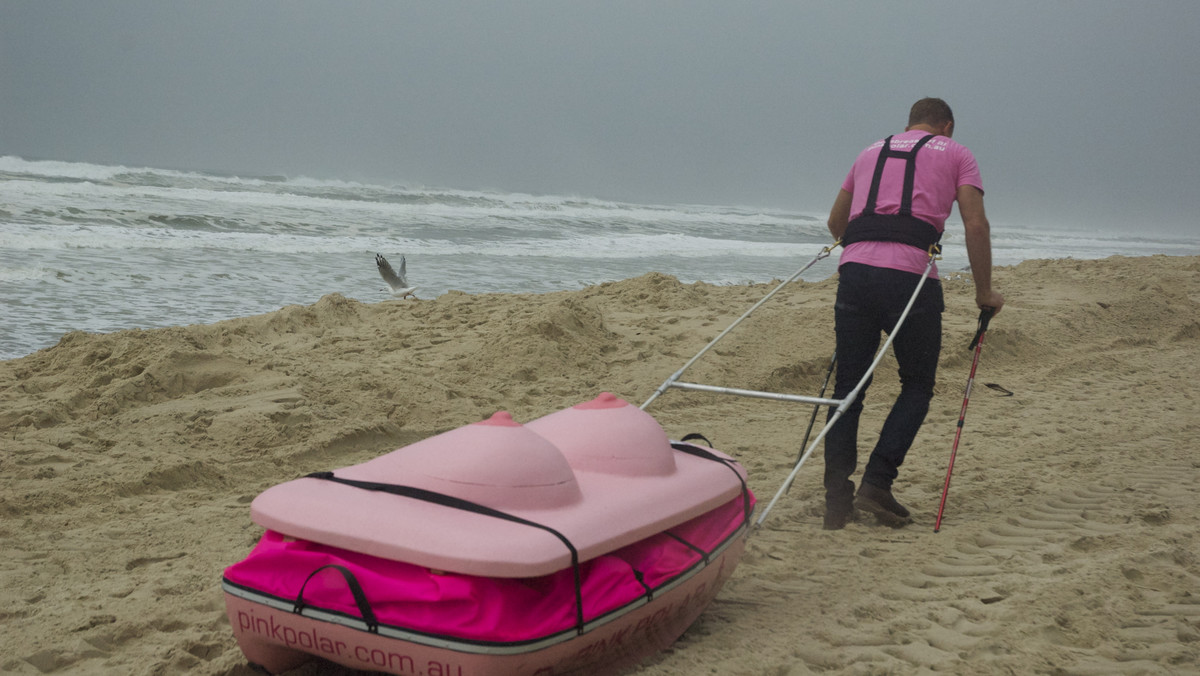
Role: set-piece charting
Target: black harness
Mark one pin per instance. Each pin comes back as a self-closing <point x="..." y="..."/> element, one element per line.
<point x="901" y="227"/>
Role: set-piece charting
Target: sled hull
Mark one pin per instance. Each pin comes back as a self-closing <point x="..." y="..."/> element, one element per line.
<point x="277" y="639"/>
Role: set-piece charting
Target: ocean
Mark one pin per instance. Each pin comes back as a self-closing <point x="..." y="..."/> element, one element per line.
<point x="103" y="248"/>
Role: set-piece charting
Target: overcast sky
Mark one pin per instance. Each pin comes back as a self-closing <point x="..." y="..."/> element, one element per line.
<point x="1081" y="113"/>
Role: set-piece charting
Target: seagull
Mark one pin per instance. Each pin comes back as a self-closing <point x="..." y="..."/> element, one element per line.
<point x="398" y="282"/>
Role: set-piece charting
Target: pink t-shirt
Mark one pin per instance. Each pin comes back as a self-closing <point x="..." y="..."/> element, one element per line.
<point x="942" y="166"/>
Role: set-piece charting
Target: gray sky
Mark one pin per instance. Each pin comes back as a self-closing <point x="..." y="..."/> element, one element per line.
<point x="1080" y="112"/>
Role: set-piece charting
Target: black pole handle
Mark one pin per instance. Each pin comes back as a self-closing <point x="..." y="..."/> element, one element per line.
<point x="985" y="316"/>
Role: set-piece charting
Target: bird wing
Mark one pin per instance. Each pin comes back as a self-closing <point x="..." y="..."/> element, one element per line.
<point x="389" y="275"/>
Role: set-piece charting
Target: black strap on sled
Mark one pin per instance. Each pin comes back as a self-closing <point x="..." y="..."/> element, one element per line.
<point x="468" y="506"/>
<point x="641" y="579"/>
<point x="699" y="452"/>
<point x="709" y="455"/>
<point x="900" y="227"/>
<point x="360" y="597"/>
<point x="703" y="554"/>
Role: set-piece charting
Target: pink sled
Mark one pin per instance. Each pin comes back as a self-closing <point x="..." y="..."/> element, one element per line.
<point x="581" y="542"/>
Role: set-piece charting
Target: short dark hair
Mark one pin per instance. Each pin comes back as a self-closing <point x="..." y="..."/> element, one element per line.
<point x="930" y="111"/>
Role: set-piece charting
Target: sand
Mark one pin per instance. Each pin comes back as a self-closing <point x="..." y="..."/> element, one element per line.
<point x="1069" y="544"/>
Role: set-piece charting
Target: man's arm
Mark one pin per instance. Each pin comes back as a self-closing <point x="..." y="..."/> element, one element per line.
<point x="839" y="215"/>
<point x="979" y="245"/>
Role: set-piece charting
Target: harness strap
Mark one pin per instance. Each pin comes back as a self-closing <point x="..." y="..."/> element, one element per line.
<point x="908" y="230"/>
<point x="902" y="227"/>
<point x="910" y="174"/>
<point x="468" y="506"/>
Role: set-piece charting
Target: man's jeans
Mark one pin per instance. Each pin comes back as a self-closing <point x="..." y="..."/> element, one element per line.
<point x="869" y="302"/>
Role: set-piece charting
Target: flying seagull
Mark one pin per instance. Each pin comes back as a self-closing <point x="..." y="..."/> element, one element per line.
<point x="398" y="282"/>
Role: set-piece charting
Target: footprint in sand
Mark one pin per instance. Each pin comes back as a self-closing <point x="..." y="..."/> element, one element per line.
<point x="1052" y="561"/>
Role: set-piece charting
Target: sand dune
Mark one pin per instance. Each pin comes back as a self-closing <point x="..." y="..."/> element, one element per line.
<point x="1069" y="544"/>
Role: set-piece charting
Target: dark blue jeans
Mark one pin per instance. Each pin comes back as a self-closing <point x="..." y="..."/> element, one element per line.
<point x="869" y="302"/>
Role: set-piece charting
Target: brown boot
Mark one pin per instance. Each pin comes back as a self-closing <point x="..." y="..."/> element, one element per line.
<point x="839" y="503"/>
<point x="879" y="501"/>
<point x="836" y="517"/>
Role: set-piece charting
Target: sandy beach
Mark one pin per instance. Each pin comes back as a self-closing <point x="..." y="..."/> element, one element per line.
<point x="1069" y="544"/>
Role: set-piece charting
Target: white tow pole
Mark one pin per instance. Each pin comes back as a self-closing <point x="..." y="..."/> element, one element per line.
<point x="842" y="404"/>
<point x="673" y="380"/>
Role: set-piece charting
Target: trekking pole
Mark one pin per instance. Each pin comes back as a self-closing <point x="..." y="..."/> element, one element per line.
<point x="816" y="408"/>
<point x="985" y="316"/>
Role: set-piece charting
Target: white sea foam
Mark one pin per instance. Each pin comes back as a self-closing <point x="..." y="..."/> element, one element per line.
<point x="99" y="248"/>
<point x="118" y="238"/>
<point x="20" y="273"/>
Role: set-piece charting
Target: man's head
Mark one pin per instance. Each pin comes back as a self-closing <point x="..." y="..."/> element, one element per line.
<point x="933" y="115"/>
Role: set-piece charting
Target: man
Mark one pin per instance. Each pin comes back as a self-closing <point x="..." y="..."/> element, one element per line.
<point x="891" y="209"/>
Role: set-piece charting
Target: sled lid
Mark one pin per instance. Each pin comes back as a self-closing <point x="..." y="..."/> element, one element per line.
<point x="600" y="500"/>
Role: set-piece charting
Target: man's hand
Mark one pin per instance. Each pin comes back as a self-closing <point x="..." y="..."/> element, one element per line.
<point x="992" y="299"/>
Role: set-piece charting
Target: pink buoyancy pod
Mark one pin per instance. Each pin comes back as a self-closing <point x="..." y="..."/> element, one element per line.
<point x="609" y="435"/>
